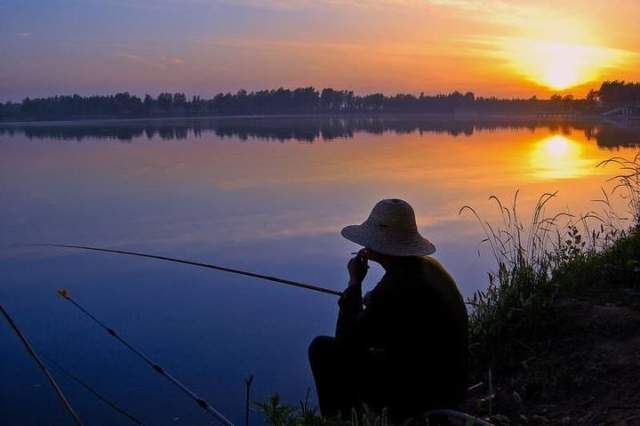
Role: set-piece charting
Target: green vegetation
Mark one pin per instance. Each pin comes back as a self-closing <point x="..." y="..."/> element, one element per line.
<point x="279" y="414"/>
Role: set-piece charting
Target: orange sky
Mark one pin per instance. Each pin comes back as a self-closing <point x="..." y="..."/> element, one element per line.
<point x="491" y="47"/>
<point x="513" y="48"/>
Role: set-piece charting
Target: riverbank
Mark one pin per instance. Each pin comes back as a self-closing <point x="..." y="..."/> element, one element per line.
<point x="585" y="371"/>
<point x="555" y="337"/>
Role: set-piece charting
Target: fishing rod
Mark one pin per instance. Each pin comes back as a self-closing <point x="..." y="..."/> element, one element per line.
<point x="36" y="358"/>
<point x="91" y="390"/>
<point x="202" y="265"/>
<point x="157" y="368"/>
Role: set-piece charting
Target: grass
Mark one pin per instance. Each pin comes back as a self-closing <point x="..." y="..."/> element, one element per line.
<point x="278" y="414"/>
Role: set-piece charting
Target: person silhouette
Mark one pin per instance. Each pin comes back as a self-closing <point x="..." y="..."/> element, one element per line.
<point x="404" y="348"/>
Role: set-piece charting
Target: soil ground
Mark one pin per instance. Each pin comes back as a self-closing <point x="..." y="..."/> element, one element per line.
<point x="587" y="372"/>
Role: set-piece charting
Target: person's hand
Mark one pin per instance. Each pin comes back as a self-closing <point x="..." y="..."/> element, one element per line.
<point x="357" y="268"/>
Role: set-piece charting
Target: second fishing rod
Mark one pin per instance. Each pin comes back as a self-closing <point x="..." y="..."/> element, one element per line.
<point x="202" y="403"/>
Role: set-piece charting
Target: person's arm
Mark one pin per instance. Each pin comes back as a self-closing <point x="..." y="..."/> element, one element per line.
<point x="351" y="300"/>
<point x="356" y="325"/>
<point x="350" y="310"/>
<point x="364" y="327"/>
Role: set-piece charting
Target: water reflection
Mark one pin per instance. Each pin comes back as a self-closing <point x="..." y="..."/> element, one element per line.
<point x="559" y="157"/>
<point x="310" y="129"/>
<point x="196" y="191"/>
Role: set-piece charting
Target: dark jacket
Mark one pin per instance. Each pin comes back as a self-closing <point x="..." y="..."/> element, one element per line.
<point x="414" y="328"/>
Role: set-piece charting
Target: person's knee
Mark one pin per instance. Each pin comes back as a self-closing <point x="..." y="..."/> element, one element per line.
<point x="320" y="346"/>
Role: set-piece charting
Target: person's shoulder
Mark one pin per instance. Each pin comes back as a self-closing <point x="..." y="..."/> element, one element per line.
<point x="431" y="261"/>
<point x="436" y="276"/>
<point x="432" y="266"/>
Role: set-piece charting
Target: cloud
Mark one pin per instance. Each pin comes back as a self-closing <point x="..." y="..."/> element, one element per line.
<point x="499" y="8"/>
<point x="306" y="3"/>
<point x="163" y="62"/>
<point x="496" y="11"/>
<point x="262" y="43"/>
<point x="258" y="4"/>
<point x="539" y="33"/>
<point x="292" y="5"/>
<point x="24" y="35"/>
<point x="386" y="50"/>
<point x="460" y="4"/>
<point x="173" y="61"/>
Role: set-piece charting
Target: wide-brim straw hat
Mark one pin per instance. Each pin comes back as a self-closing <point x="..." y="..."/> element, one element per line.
<point x="390" y="229"/>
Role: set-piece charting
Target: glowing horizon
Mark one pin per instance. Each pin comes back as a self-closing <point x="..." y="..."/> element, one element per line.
<point x="560" y="66"/>
<point x="201" y="47"/>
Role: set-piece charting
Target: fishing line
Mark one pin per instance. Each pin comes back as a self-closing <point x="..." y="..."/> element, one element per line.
<point x="202" y="265"/>
<point x="157" y="368"/>
<point x="46" y="372"/>
<point x="94" y="392"/>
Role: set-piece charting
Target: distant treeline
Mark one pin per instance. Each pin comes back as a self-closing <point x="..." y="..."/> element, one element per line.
<point x="614" y="93"/>
<point x="312" y="129"/>
<point x="305" y="101"/>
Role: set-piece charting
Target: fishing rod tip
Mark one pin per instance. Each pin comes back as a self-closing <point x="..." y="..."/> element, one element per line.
<point x="64" y="293"/>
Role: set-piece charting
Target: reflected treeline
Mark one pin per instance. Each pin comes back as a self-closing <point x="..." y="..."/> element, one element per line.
<point x="313" y="129"/>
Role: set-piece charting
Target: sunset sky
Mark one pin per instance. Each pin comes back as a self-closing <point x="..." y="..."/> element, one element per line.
<point x="492" y="47"/>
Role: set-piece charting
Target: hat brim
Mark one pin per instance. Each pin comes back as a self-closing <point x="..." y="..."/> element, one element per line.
<point x="409" y="245"/>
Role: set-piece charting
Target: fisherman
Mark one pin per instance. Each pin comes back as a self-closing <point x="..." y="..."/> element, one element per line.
<point x="406" y="349"/>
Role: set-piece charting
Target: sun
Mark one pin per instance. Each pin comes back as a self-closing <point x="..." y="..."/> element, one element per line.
<point x="558" y="65"/>
<point x="557" y="146"/>
<point x="560" y="77"/>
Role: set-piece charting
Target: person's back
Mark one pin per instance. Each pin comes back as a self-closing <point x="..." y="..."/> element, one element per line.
<point x="439" y="317"/>
<point x="407" y="351"/>
<point x="415" y="326"/>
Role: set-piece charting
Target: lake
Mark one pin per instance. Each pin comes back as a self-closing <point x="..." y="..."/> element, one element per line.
<point x="268" y="195"/>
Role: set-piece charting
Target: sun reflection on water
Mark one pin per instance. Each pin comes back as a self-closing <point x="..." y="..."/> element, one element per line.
<point x="558" y="157"/>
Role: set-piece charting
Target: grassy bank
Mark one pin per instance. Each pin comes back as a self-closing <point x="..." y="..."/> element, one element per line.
<point x="555" y="277"/>
<point x="550" y="258"/>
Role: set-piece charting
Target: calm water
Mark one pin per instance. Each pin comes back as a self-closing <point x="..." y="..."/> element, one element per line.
<point x="268" y="195"/>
